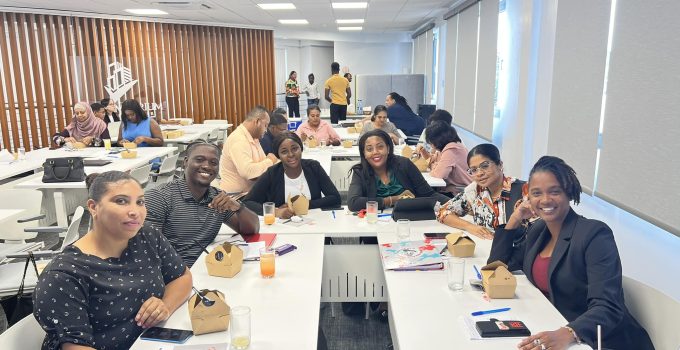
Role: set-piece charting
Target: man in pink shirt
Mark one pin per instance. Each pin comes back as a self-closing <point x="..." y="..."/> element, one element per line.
<point x="316" y="128"/>
<point x="243" y="159"/>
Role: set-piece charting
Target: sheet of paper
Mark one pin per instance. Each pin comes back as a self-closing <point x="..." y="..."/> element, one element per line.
<point x="252" y="251"/>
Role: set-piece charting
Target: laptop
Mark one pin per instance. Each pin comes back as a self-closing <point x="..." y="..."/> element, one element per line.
<point x="96" y="162"/>
<point x="414" y="209"/>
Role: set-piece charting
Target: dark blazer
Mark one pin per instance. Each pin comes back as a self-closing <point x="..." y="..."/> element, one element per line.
<point x="584" y="278"/>
<point x="271" y="187"/>
<point x="409" y="122"/>
<point x="266" y="142"/>
<point x="362" y="188"/>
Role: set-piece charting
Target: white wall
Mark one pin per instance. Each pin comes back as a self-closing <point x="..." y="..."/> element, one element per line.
<point x="304" y="57"/>
<point x="374" y="58"/>
<point x="648" y="253"/>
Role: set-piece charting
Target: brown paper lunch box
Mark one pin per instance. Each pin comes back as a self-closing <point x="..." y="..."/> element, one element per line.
<point x="299" y="204"/>
<point x="498" y="282"/>
<point x="225" y="260"/>
<point x="209" y="319"/>
<point x="460" y="245"/>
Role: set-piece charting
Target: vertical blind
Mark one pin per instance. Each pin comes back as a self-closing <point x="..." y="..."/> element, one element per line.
<point x="471" y="76"/>
<point x="578" y="79"/>
<point x="639" y="168"/>
<point x="422" y="61"/>
<point x="200" y="72"/>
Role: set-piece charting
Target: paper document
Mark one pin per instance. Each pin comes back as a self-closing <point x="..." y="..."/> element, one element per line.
<point x="251" y="252"/>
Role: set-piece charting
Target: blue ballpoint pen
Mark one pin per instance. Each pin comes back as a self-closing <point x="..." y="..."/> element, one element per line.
<point x="479" y="275"/>
<point x="333" y="211"/>
<point x="486" y="312"/>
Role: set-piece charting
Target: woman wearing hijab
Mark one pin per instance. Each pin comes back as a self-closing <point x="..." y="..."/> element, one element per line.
<point x="84" y="127"/>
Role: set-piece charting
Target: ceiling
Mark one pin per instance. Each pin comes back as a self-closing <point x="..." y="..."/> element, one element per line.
<point x="381" y="16"/>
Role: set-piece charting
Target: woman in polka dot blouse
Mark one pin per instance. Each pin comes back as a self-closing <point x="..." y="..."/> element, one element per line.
<point x="118" y="279"/>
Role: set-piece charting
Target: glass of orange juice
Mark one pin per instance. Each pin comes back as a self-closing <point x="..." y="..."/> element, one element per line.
<point x="267" y="262"/>
<point x="269" y="212"/>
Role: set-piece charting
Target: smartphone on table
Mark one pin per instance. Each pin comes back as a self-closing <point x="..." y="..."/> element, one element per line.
<point x="436" y="235"/>
<point x="178" y="336"/>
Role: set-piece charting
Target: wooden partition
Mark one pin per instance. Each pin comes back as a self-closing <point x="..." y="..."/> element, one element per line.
<point x="201" y="72"/>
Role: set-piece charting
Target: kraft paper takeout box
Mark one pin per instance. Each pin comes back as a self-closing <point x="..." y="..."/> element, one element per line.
<point x="347" y="143"/>
<point x="172" y="134"/>
<point x="225" y="260"/>
<point x="128" y="154"/>
<point x="421" y="163"/>
<point x="79" y="145"/>
<point x="352" y="130"/>
<point x="129" y="145"/>
<point x="312" y="143"/>
<point x="498" y="282"/>
<point x="460" y="245"/>
<point x="299" y="204"/>
<point x="209" y="319"/>
<point x="407" y="152"/>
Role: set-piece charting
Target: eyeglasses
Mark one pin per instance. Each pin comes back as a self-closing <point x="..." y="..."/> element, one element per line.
<point x="483" y="166"/>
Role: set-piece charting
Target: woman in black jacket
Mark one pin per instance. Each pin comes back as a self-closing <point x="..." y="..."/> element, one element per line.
<point x="383" y="176"/>
<point x="572" y="260"/>
<point x="292" y="176"/>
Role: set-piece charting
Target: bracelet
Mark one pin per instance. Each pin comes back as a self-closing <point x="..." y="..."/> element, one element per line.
<point x="573" y="333"/>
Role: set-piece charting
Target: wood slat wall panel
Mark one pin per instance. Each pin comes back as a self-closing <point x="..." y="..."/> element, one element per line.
<point x="194" y="71"/>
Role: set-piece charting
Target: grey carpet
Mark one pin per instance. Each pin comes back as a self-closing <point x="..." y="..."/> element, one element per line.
<point x="353" y="332"/>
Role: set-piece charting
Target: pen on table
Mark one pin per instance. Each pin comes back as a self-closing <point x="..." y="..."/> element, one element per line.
<point x="384" y="215"/>
<point x="479" y="275"/>
<point x="486" y="312"/>
<point x="333" y="211"/>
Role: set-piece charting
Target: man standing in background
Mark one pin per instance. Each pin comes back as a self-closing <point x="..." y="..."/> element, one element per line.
<point x="337" y="92"/>
<point x="312" y="91"/>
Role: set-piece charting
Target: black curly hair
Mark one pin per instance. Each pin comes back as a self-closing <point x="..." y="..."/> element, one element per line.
<point x="564" y="174"/>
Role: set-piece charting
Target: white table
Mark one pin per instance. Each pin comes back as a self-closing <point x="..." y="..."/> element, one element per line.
<point x="425" y="314"/>
<point x="35" y="159"/>
<point x="345" y="135"/>
<point x="284" y="309"/>
<point x="59" y="199"/>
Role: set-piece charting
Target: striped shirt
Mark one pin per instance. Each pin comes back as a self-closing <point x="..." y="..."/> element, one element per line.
<point x="188" y="224"/>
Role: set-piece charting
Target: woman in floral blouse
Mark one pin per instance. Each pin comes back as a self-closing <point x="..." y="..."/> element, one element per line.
<point x="491" y="197"/>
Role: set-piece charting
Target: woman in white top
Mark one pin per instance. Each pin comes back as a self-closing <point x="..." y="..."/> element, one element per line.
<point x="290" y="177"/>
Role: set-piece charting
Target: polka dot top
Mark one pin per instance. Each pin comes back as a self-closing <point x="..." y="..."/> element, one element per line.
<point x="85" y="300"/>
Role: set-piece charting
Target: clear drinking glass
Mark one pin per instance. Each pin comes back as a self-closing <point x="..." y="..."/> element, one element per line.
<point x="322" y="143"/>
<point x="107" y="144"/>
<point x="239" y="327"/>
<point x="269" y="212"/>
<point x="455" y="273"/>
<point x="267" y="262"/>
<point x="371" y="212"/>
<point x="403" y="229"/>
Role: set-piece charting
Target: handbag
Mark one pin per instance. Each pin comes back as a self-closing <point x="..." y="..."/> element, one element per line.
<point x="20" y="305"/>
<point x="67" y="169"/>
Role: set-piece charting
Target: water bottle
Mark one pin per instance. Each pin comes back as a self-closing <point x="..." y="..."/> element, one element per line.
<point x="360" y="107"/>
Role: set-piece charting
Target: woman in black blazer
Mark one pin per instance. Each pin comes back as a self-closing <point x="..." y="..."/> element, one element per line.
<point x="395" y="173"/>
<point x="271" y="186"/>
<point x="572" y="260"/>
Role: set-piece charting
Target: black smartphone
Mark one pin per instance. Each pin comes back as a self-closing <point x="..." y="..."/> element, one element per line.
<point x="170" y="335"/>
<point x="436" y="234"/>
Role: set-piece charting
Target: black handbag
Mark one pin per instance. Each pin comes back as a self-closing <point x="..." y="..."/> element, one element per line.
<point x="68" y="169"/>
<point x="20" y="305"/>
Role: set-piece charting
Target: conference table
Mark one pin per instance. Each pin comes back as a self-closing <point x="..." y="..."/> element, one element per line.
<point x="61" y="198"/>
<point x="423" y="312"/>
<point x="193" y="132"/>
<point x="284" y="309"/>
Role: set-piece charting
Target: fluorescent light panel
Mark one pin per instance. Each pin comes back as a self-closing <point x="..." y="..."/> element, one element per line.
<point x="278" y="6"/>
<point x="350" y="5"/>
<point x="349" y="21"/>
<point x="293" y="21"/>
<point x="146" y="11"/>
<point x="350" y="28"/>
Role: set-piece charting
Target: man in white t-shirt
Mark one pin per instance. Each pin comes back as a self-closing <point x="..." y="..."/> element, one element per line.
<point x="312" y="91"/>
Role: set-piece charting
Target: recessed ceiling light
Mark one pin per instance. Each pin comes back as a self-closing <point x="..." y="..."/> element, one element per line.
<point x="293" y="21"/>
<point x="349" y="21"/>
<point x="146" y="11"/>
<point x="350" y="5"/>
<point x="278" y="6"/>
<point x="350" y="28"/>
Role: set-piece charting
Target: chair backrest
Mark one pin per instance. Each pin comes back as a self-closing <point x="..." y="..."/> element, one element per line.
<point x="72" y="233"/>
<point x="114" y="127"/>
<point x="25" y="334"/>
<point x="657" y="312"/>
<point x="167" y="170"/>
<point x="28" y="200"/>
<point x="141" y="174"/>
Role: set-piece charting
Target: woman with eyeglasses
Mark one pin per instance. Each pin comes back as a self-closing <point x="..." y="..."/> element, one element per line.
<point x="290" y="177"/>
<point x="491" y="197"/>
